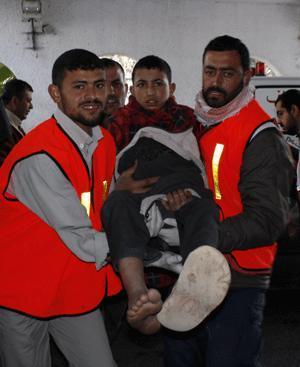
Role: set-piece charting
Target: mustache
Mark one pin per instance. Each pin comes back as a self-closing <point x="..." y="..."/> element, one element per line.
<point x="92" y="101"/>
<point x="112" y="98"/>
<point x="216" y="89"/>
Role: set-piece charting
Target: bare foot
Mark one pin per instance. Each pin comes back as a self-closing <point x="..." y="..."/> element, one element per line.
<point x="141" y="315"/>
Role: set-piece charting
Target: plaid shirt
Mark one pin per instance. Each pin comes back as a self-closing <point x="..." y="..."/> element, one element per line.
<point x="174" y="118"/>
<point x="159" y="278"/>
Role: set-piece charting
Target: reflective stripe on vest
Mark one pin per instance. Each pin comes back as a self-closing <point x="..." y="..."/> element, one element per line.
<point x="215" y="169"/>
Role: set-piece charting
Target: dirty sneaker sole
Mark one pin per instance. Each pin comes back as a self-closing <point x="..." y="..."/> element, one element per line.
<point x="201" y="287"/>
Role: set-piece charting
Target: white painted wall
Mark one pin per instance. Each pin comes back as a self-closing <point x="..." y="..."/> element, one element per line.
<point x="176" y="30"/>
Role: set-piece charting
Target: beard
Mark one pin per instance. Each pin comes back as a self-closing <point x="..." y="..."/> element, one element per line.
<point x="112" y="104"/>
<point x="83" y="116"/>
<point x="228" y="97"/>
<point x="292" y="128"/>
<point x="112" y="99"/>
<point x="93" y="121"/>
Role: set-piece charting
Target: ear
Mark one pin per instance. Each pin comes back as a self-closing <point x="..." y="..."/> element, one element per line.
<point x="247" y="76"/>
<point x="295" y="111"/>
<point x="172" y="89"/>
<point x="54" y="92"/>
<point x="14" y="101"/>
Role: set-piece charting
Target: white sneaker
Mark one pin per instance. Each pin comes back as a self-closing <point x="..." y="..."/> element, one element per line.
<point x="201" y="287"/>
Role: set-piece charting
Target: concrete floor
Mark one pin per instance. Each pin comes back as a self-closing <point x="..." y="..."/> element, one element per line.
<point x="282" y="329"/>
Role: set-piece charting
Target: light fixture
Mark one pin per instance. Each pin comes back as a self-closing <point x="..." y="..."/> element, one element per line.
<point x="31" y="9"/>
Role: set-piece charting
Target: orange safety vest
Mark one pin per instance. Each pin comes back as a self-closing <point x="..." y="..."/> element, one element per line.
<point x="222" y="148"/>
<point x="39" y="275"/>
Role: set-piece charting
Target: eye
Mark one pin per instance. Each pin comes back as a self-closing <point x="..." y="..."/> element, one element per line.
<point x="209" y="72"/>
<point x="78" y="86"/>
<point x="140" y="84"/>
<point x="117" y="84"/>
<point x="159" y="83"/>
<point x="100" y="85"/>
<point x="228" y="74"/>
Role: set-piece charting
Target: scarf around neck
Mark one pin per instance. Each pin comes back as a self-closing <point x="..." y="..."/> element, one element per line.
<point x="209" y="116"/>
<point x="128" y="120"/>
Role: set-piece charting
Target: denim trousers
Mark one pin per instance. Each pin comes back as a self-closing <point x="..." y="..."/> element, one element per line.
<point x="229" y="337"/>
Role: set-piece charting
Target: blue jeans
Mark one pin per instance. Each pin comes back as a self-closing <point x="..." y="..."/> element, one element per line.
<point x="230" y="337"/>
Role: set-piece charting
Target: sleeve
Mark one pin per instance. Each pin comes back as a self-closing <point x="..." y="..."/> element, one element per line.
<point x="265" y="185"/>
<point x="40" y="185"/>
<point x="298" y="172"/>
<point x="5" y="147"/>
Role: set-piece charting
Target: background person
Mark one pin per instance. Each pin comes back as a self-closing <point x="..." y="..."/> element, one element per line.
<point x="17" y="101"/>
<point x="287" y="107"/>
<point x="116" y="85"/>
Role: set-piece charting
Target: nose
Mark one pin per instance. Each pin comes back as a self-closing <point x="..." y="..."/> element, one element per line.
<point x="217" y="79"/>
<point x="90" y="92"/>
<point x="150" y="90"/>
<point x="111" y="89"/>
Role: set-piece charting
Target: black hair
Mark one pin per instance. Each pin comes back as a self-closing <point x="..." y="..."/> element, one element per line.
<point x="153" y="62"/>
<point x="228" y="43"/>
<point x="15" y="88"/>
<point x="73" y="60"/>
<point x="110" y="63"/>
<point x="289" y="98"/>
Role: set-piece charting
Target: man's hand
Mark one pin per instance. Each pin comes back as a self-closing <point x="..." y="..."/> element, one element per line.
<point x="126" y="181"/>
<point x="176" y="199"/>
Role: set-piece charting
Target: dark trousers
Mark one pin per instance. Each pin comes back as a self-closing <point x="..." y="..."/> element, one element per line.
<point x="128" y="235"/>
<point x="229" y="337"/>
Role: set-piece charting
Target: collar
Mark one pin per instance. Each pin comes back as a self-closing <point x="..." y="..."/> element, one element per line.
<point x="80" y="137"/>
<point x="13" y="119"/>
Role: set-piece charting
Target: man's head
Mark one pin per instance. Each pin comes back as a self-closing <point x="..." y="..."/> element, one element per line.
<point x="287" y="107"/>
<point x="226" y="70"/>
<point x="78" y="87"/>
<point x="116" y="86"/>
<point x="152" y="82"/>
<point x="17" y="97"/>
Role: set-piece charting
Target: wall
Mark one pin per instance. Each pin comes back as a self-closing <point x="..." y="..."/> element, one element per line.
<point x="176" y="30"/>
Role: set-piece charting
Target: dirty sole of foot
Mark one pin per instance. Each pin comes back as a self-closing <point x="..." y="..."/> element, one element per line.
<point x="201" y="287"/>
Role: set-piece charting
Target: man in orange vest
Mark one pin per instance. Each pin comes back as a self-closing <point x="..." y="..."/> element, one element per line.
<point x="250" y="174"/>
<point x="53" y="267"/>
